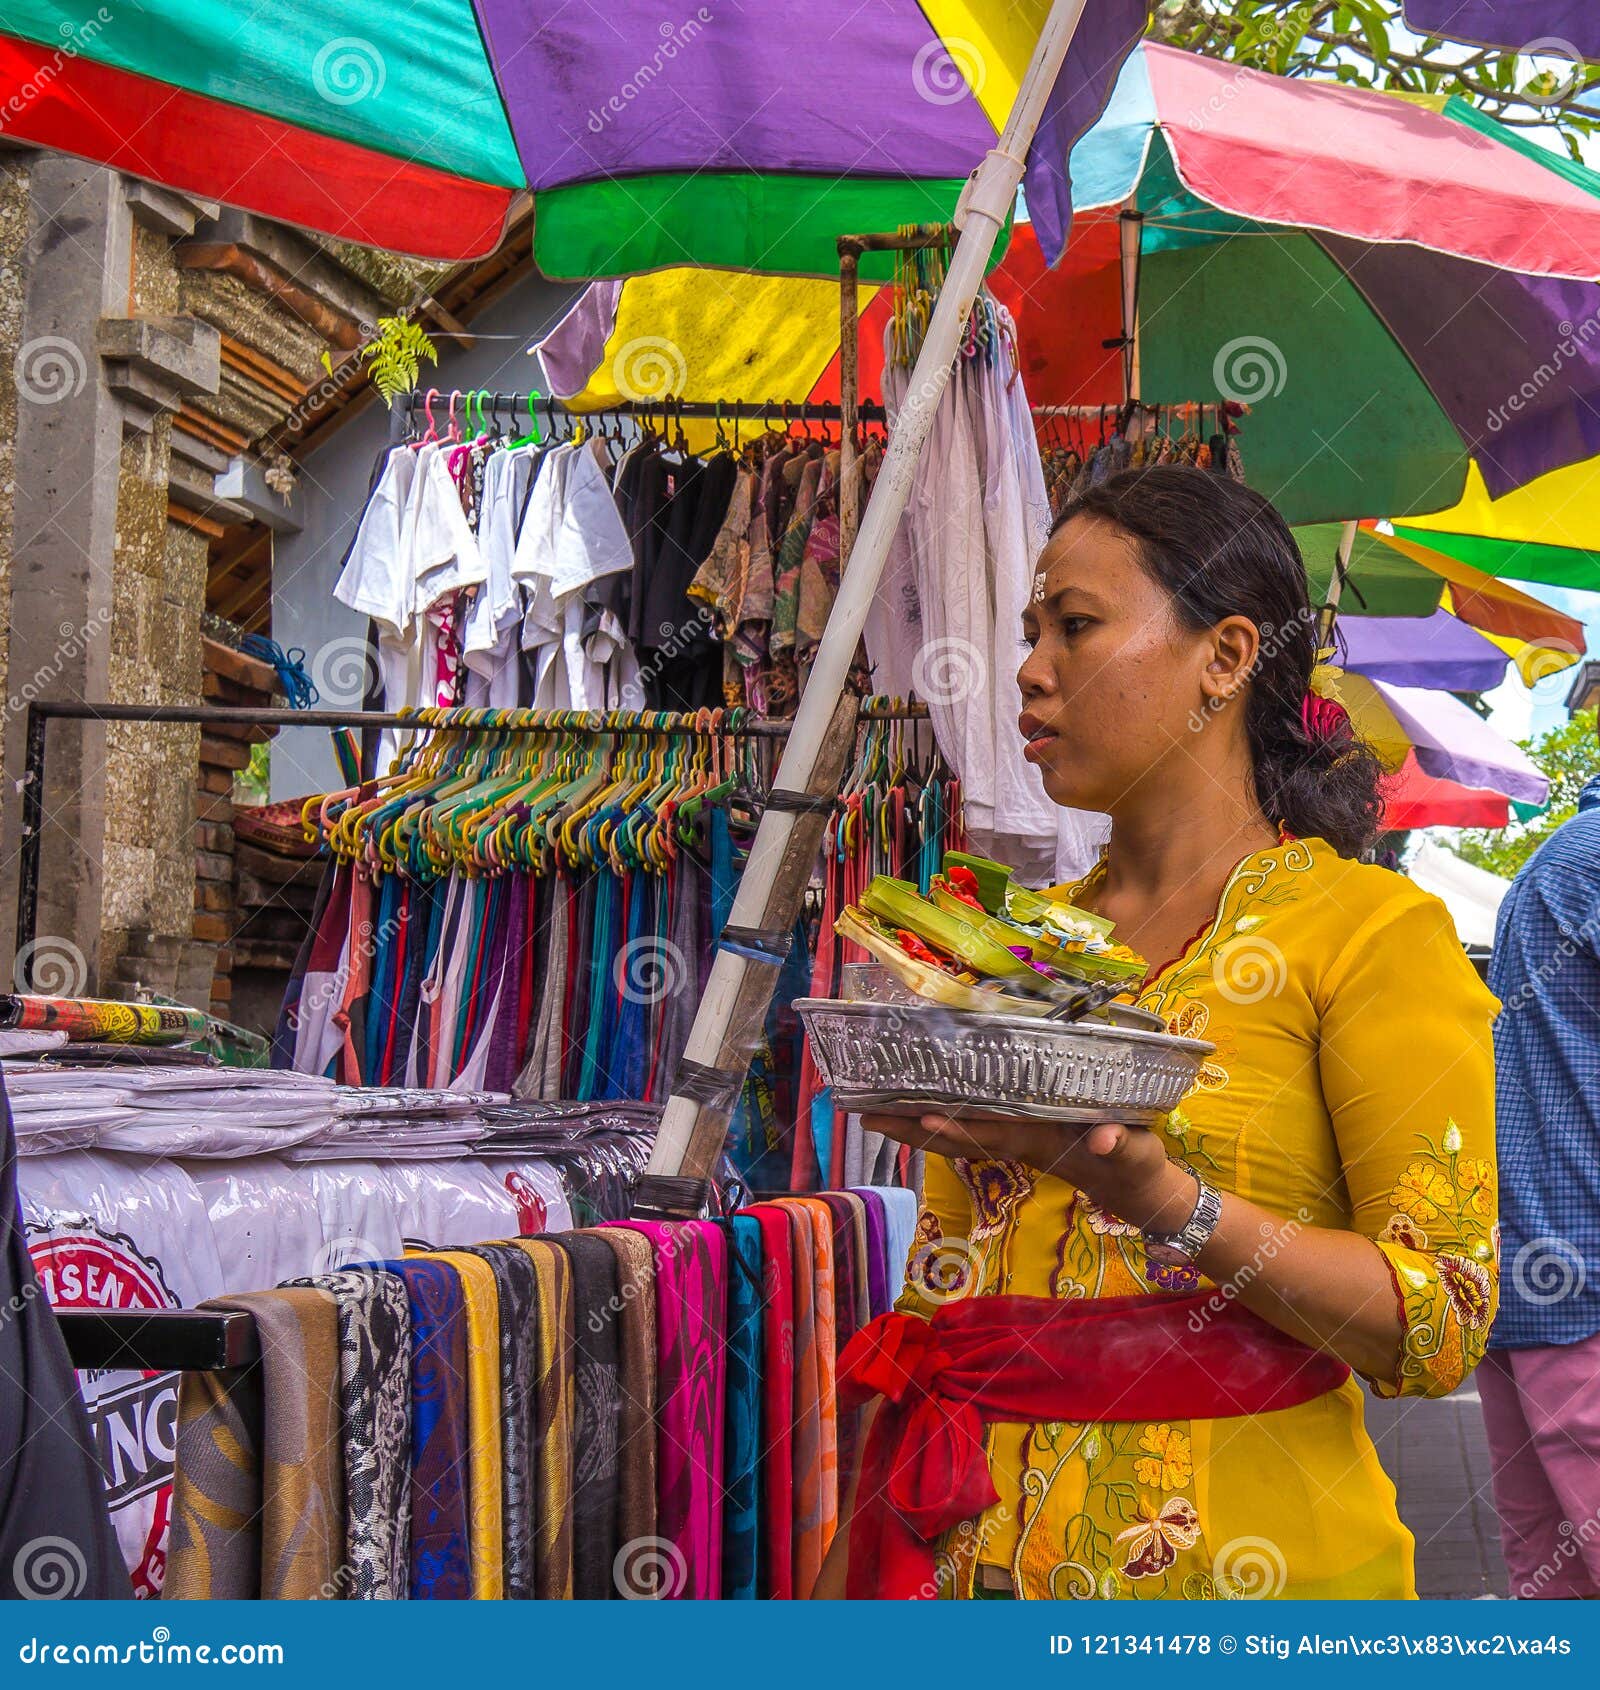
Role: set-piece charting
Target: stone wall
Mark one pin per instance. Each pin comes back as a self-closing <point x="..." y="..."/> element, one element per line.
<point x="182" y="334"/>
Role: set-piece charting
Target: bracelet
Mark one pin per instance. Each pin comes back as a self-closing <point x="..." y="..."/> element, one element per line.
<point x="1195" y="1233"/>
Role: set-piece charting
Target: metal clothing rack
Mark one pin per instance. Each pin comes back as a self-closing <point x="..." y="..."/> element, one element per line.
<point x="41" y="713"/>
<point x="734" y="412"/>
<point x="160" y="1340"/>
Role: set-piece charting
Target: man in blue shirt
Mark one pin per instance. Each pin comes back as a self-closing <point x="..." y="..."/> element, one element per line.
<point x="1540" y="1382"/>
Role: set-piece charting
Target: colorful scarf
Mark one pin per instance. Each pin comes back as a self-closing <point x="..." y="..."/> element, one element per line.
<point x="483" y="1421"/>
<point x="636" y="1353"/>
<point x="597" y="1414"/>
<point x="553" y="1392"/>
<point x="517" y="1290"/>
<point x="259" y="1494"/>
<point x="879" y="1268"/>
<point x="825" y="1314"/>
<point x="741" y="1522"/>
<point x="441" y="1540"/>
<point x="691" y="1260"/>
<point x="806" y="1449"/>
<point x="776" y="1562"/>
<point x="374" y="1316"/>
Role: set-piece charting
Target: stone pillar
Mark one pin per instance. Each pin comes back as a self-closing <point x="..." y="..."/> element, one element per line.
<point x="101" y="359"/>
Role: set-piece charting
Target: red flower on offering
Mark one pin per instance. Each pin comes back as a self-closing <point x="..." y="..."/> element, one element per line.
<point x="914" y="947"/>
<point x="964" y="884"/>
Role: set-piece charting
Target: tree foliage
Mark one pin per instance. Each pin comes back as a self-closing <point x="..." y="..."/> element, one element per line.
<point x="1364" y="43"/>
<point x="1570" y="756"/>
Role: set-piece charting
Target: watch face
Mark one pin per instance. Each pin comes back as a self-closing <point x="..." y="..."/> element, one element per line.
<point x="1167" y="1254"/>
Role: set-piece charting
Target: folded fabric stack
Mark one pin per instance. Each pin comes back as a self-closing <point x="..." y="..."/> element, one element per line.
<point x="399" y="1121"/>
<point x="640" y="1409"/>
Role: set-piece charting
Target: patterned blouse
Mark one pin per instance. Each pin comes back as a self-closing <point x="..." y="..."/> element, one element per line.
<point x="1352" y="1087"/>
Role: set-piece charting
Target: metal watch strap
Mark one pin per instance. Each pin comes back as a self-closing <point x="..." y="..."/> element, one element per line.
<point x="1195" y="1233"/>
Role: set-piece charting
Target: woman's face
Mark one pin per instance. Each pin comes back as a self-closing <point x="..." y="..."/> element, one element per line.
<point x="1115" y="689"/>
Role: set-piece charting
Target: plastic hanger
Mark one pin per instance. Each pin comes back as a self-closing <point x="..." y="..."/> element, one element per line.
<point x="532" y="437"/>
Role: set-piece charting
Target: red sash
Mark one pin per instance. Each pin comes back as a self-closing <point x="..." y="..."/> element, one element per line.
<point x="1029" y="1359"/>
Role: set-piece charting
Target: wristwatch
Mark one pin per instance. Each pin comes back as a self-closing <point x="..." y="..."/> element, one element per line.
<point x="1195" y="1233"/>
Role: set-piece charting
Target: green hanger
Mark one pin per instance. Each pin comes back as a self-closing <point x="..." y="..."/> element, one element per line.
<point x="532" y="437"/>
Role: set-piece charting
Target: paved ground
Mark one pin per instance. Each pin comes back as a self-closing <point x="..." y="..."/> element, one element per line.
<point x="1436" y="1453"/>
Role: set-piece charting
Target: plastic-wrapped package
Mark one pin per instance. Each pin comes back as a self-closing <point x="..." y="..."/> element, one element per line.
<point x="360" y="1205"/>
<point x="446" y="1203"/>
<point x="265" y="1221"/>
<point x="122" y="1232"/>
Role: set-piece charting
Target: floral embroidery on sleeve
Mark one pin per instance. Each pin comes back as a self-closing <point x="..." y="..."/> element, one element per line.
<point x="1442" y="1245"/>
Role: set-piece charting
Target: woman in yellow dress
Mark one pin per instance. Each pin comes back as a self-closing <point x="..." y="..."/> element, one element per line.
<point x="1333" y="1171"/>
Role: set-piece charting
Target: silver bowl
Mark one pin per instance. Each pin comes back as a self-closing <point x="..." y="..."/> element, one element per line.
<point x="904" y="1059"/>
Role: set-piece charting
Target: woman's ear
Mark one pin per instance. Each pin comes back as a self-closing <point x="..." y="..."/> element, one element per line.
<point x="1235" y="645"/>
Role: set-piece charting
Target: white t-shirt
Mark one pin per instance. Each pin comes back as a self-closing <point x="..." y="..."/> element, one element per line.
<point x="376" y="579"/>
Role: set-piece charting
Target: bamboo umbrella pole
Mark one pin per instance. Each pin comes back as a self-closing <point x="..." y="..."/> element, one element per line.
<point x="748" y="958"/>
<point x="1330" y="605"/>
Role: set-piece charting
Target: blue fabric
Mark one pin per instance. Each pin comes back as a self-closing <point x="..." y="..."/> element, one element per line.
<point x="603" y="993"/>
<point x="381" y="1001"/>
<point x="645" y="973"/>
<point x="741" y="1513"/>
<point x="441" y="1563"/>
<point x="1546" y="973"/>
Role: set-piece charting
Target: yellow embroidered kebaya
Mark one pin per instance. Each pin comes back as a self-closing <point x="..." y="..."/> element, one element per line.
<point x="1352" y="1088"/>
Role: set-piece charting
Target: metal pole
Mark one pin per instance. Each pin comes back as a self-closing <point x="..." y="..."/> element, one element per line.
<point x="32" y="843"/>
<point x="40" y="715"/>
<point x="694" y="1123"/>
<point x="849" y="394"/>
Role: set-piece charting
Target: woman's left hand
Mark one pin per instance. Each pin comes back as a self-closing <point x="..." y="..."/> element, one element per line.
<point x="1124" y="1169"/>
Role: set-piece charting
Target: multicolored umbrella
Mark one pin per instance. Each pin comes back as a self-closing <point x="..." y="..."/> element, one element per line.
<point x="1397" y="287"/>
<point x="1448" y="740"/>
<point x="1421" y="651"/>
<point x="1547" y="531"/>
<point x="1513" y="24"/>
<point x="1413" y="799"/>
<point x="745" y="136"/>
<point x="1391" y="576"/>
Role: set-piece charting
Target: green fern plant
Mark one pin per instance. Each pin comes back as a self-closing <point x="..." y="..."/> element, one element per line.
<point x="395" y="355"/>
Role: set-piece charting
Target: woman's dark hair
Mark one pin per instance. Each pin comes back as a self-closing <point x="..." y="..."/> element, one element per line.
<point x="1221" y="550"/>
